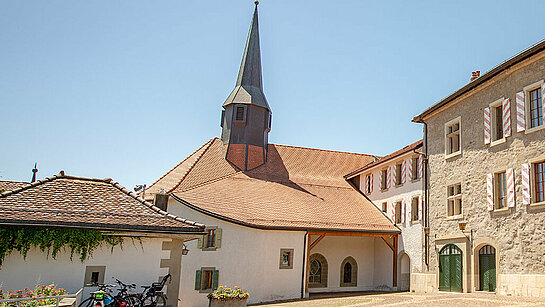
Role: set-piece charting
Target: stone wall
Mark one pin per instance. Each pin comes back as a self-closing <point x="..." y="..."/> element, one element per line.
<point x="423" y="283"/>
<point x="518" y="232"/>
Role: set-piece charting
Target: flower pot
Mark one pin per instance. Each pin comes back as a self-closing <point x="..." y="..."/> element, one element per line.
<point x="230" y="302"/>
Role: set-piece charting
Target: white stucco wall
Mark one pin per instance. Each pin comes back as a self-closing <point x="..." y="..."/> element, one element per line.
<point x="248" y="258"/>
<point x="134" y="263"/>
<point x="372" y="270"/>
<point x="411" y="238"/>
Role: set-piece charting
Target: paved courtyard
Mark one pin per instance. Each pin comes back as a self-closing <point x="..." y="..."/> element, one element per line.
<point x="413" y="299"/>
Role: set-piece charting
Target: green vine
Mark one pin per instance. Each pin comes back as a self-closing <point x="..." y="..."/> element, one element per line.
<point x="52" y="240"/>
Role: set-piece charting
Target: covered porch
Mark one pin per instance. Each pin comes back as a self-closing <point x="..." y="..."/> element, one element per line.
<point x="350" y="261"/>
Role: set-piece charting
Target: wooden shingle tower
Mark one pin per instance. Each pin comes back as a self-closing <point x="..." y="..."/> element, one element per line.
<point x="246" y="118"/>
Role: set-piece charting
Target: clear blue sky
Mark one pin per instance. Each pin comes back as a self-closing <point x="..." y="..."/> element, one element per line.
<point x="127" y="89"/>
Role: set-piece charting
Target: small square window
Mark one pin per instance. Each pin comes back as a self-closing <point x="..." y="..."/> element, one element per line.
<point x="94" y="275"/>
<point x="384" y="207"/>
<point x="210" y="238"/>
<point x="452" y="137"/>
<point x="240" y="113"/>
<point x="206" y="279"/>
<point x="286" y="258"/>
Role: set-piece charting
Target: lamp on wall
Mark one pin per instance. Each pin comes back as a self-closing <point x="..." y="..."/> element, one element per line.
<point x="462" y="226"/>
<point x="185" y="250"/>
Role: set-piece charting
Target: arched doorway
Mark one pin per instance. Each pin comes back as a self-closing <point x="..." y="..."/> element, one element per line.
<point x="487" y="268"/>
<point x="404" y="272"/>
<point x="450" y="269"/>
<point x="317" y="277"/>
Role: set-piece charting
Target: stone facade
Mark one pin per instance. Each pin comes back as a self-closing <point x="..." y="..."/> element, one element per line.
<point x="516" y="233"/>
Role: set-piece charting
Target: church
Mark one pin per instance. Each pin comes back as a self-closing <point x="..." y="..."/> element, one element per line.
<point x="281" y="221"/>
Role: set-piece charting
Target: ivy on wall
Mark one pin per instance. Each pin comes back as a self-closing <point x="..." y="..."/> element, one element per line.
<point x="81" y="242"/>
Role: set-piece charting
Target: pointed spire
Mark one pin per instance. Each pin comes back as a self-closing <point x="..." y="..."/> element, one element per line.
<point x="34" y="171"/>
<point x="249" y="86"/>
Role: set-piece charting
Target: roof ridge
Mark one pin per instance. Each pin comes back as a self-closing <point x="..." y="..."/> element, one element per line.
<point x="194" y="163"/>
<point x="18" y="181"/>
<point x="175" y="166"/>
<point x="32" y="184"/>
<point x="327" y="150"/>
<point x="152" y="206"/>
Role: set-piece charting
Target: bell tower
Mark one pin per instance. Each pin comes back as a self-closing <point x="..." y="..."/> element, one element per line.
<point x="246" y="118"/>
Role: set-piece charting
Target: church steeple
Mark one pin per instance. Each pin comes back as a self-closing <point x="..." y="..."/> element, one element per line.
<point x="246" y="120"/>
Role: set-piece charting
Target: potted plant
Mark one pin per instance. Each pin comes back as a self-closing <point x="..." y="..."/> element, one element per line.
<point x="228" y="297"/>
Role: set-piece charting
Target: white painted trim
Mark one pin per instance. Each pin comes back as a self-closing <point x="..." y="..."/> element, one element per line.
<point x="450" y="123"/>
<point x="527" y="90"/>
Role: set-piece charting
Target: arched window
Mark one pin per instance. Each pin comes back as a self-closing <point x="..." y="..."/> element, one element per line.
<point x="349" y="272"/>
<point x="317" y="277"/>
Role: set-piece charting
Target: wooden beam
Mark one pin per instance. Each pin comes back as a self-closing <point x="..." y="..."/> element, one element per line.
<point x="394" y="250"/>
<point x="351" y="234"/>
<point x="316" y="241"/>
<point x="388" y="243"/>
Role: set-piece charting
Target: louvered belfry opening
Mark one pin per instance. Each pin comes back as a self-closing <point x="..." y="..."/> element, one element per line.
<point x="246" y="116"/>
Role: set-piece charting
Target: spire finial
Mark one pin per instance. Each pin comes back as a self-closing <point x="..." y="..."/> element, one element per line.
<point x="34" y="171"/>
<point x="256" y="3"/>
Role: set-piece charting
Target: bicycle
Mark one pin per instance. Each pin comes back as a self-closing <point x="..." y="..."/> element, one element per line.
<point x="152" y="296"/>
<point x="99" y="298"/>
<point x="103" y="297"/>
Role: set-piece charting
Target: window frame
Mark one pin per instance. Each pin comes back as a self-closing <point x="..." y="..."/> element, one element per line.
<point x="414" y="169"/>
<point x="217" y="238"/>
<point x="414" y="209"/>
<point x="527" y="89"/>
<point x="398" y="169"/>
<point x="494" y="123"/>
<point x="397" y="218"/>
<point x="534" y="182"/>
<point x="455" y="198"/>
<point x="384" y="181"/>
<point x="244" y="113"/>
<point x="385" y="207"/>
<point x="452" y="122"/>
<point x="500" y="175"/>
<point x="281" y="264"/>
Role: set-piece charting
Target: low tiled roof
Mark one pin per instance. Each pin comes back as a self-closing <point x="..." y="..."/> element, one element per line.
<point x="297" y="188"/>
<point x="67" y="201"/>
<point x="8" y="185"/>
<point x="404" y="150"/>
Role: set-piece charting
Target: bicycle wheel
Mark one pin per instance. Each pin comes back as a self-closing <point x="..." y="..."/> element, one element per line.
<point x="87" y="302"/>
<point x="157" y="300"/>
<point x="133" y="300"/>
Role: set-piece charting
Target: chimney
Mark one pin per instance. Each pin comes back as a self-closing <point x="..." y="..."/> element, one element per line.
<point x="474" y="75"/>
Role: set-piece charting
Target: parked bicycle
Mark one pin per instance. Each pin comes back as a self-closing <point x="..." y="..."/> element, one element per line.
<point x="103" y="296"/>
<point x="153" y="295"/>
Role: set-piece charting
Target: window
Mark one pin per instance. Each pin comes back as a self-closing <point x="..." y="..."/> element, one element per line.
<point x="497" y="122"/>
<point x="240" y="113"/>
<point x="399" y="179"/>
<point x="286" y="258"/>
<point x="206" y="279"/>
<point x="384" y="179"/>
<point x="398" y="212"/>
<point x="539" y="181"/>
<point x="454" y="200"/>
<point x="414" y="209"/>
<point x="452" y="137"/>
<point x="211" y="240"/>
<point x="501" y="190"/>
<point x="536" y="108"/>
<point x="349" y="272"/>
<point x="317" y="277"/>
<point x="414" y="169"/>
<point x="94" y="275"/>
<point x="385" y="207"/>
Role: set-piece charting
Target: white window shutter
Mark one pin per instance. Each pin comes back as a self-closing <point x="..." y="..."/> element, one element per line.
<point x="403" y="171"/>
<point x="380" y="179"/>
<point x="506" y="117"/>
<point x="510" y="175"/>
<point x="526" y="184"/>
<point x="394" y="176"/>
<point x="521" y="113"/>
<point x="409" y="211"/>
<point x="420" y="166"/>
<point x="393" y="212"/>
<point x="388" y="177"/>
<point x="487" y="125"/>
<point x="409" y="169"/>
<point x="490" y="192"/>
<point x="403" y="211"/>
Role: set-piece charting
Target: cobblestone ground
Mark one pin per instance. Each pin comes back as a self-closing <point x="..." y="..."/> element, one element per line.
<point x="413" y="299"/>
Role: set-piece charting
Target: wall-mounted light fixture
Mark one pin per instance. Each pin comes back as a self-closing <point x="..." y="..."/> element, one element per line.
<point x="462" y="226"/>
<point x="185" y="250"/>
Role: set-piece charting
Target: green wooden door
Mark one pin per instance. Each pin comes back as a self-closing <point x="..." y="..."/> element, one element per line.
<point x="487" y="268"/>
<point x="450" y="269"/>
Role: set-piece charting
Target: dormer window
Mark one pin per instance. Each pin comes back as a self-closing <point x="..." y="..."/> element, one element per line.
<point x="240" y="114"/>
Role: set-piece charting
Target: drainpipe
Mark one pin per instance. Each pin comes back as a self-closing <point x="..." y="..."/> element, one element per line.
<point x="304" y="265"/>
<point x="425" y="179"/>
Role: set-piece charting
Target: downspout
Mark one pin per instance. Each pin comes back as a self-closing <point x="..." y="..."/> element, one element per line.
<point x="304" y="265"/>
<point x="426" y="213"/>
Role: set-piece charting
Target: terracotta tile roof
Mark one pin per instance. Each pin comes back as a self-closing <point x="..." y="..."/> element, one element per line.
<point x="67" y="201"/>
<point x="404" y="150"/>
<point x="298" y="188"/>
<point x="8" y="185"/>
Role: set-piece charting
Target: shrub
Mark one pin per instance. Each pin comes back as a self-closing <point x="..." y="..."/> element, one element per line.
<point x="38" y="291"/>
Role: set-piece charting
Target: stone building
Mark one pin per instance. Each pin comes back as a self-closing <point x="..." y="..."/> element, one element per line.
<point x="393" y="183"/>
<point x="485" y="146"/>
